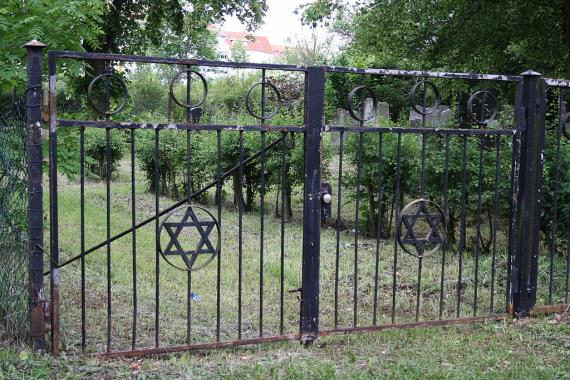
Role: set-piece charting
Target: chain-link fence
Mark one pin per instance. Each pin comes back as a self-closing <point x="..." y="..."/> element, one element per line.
<point x="13" y="223"/>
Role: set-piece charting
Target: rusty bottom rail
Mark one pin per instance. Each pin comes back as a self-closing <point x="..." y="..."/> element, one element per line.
<point x="539" y="310"/>
<point x="200" y="346"/>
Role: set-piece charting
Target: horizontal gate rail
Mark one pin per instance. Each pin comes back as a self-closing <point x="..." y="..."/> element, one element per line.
<point x="434" y="131"/>
<point x="181" y="126"/>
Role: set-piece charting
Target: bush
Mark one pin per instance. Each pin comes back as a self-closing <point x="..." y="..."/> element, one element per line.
<point x="96" y="150"/>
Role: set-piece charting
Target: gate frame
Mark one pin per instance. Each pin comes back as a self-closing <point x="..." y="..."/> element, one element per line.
<point x="524" y="264"/>
<point x="35" y="194"/>
<point x="530" y="109"/>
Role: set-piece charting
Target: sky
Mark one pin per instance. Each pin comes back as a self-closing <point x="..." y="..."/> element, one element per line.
<point x="280" y="22"/>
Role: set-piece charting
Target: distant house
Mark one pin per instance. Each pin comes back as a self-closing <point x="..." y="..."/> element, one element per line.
<point x="258" y="48"/>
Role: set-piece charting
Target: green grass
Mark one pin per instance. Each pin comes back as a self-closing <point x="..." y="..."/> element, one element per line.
<point x="529" y="349"/>
<point x="173" y="283"/>
<point x="482" y="350"/>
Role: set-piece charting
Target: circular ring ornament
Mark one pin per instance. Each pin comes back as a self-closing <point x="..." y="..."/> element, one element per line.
<point x="107" y="77"/>
<point x="249" y="104"/>
<point x="482" y="96"/>
<point x="353" y="113"/>
<point x="565" y="120"/>
<point x="186" y="232"/>
<point x="421" y="242"/>
<point x="414" y="92"/>
<point x="189" y="73"/>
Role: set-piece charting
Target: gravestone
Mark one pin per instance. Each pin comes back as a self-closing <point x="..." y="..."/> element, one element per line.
<point x="439" y="118"/>
<point x="383" y="110"/>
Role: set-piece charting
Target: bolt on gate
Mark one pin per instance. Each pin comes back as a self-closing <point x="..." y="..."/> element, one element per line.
<point x="422" y="215"/>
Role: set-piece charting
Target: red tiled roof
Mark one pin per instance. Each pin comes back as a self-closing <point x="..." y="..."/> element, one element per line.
<point x="279" y="48"/>
<point x="252" y="42"/>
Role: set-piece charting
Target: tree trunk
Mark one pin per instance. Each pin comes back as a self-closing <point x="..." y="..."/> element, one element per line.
<point x="238" y="194"/>
<point x="249" y="193"/>
<point x="288" y="203"/>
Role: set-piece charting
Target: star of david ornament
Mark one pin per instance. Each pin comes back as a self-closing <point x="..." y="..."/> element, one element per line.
<point x="421" y="228"/>
<point x="189" y="238"/>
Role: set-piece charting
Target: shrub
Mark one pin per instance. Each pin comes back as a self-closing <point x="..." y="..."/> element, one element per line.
<point x="96" y="150"/>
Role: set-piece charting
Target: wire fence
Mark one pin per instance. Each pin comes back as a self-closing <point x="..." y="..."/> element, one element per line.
<point x="13" y="224"/>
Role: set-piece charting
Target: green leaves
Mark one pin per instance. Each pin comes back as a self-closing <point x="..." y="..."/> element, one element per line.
<point x="60" y="24"/>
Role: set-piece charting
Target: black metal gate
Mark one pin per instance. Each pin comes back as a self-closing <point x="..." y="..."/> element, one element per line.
<point x="436" y="218"/>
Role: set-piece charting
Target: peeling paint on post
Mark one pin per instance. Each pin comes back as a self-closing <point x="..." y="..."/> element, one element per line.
<point x="35" y="191"/>
<point x="53" y="215"/>
<point x="314" y="115"/>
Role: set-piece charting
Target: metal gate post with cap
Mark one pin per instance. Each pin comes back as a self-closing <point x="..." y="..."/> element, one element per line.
<point x="314" y="120"/>
<point x="524" y="270"/>
<point x="35" y="190"/>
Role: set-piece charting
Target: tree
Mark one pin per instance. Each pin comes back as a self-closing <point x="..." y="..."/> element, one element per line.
<point x="506" y="37"/>
<point x="238" y="53"/>
<point x="455" y="35"/>
<point x="60" y="24"/>
<point x="132" y="26"/>
<point x="308" y="51"/>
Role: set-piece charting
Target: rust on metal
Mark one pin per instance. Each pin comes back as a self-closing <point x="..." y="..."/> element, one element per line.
<point x="550" y="309"/>
<point x="438" y="322"/>
<point x="201" y="346"/>
<point x="54" y="311"/>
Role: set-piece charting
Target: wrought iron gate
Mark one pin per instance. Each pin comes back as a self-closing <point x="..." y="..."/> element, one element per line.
<point x="360" y="277"/>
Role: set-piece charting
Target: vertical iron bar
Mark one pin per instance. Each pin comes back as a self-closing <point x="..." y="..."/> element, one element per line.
<point x="422" y="194"/>
<point x="35" y="189"/>
<point x="219" y="206"/>
<point x="418" y="291"/>
<point x="462" y="239"/>
<point x="338" y="226"/>
<point x="261" y="206"/>
<point x="495" y="208"/>
<point x="314" y="115"/>
<point x="82" y="232"/>
<point x="524" y="267"/>
<point x="240" y="233"/>
<point x="189" y="195"/>
<point x="189" y="273"/>
<point x="134" y="239"/>
<point x="108" y="210"/>
<point x="283" y="210"/>
<point x="156" y="237"/>
<point x="108" y="219"/>
<point x="478" y="223"/>
<point x="397" y="207"/>
<point x="261" y="229"/>
<point x="357" y="211"/>
<point x="357" y="226"/>
<point x="108" y="230"/>
<point x="378" y="228"/>
<point x="446" y="211"/>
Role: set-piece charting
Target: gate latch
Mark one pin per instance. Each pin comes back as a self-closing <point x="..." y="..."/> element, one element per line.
<point x="326" y="201"/>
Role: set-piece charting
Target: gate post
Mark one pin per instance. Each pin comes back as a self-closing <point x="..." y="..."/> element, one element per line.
<point x="525" y="258"/>
<point x="35" y="191"/>
<point x="314" y="120"/>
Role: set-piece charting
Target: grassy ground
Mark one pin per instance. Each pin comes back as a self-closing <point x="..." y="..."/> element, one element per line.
<point x="173" y="283"/>
<point x="529" y="349"/>
<point x="535" y="349"/>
